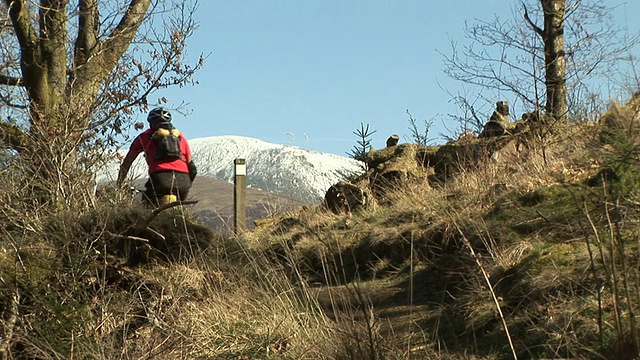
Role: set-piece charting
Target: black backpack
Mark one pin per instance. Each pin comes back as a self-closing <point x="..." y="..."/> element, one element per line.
<point x="168" y="144"/>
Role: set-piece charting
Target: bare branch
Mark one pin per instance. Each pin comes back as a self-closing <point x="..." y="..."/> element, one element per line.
<point x="535" y="27"/>
<point x="88" y="23"/>
<point x="25" y="33"/>
<point x="9" y="321"/>
<point x="120" y="38"/>
<point x="144" y="224"/>
<point x="11" y="81"/>
<point x="20" y="20"/>
<point x="9" y="101"/>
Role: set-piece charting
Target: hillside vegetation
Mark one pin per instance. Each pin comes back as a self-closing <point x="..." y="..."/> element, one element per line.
<point x="523" y="246"/>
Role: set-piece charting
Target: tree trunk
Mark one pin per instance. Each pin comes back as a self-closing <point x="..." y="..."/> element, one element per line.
<point x="62" y="87"/>
<point x="554" y="58"/>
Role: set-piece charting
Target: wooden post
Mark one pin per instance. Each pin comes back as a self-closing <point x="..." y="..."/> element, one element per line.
<point x="240" y="196"/>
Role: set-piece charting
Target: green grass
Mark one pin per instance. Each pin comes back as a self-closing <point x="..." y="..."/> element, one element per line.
<point x="554" y="261"/>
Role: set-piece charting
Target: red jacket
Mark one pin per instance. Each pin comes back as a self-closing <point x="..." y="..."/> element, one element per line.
<point x="144" y="143"/>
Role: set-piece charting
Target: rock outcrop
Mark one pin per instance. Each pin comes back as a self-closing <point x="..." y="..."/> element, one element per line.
<point x="392" y="167"/>
<point x="346" y="197"/>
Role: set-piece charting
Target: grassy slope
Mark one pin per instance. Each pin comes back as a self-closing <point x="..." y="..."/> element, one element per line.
<point x="512" y="257"/>
<point x="544" y="236"/>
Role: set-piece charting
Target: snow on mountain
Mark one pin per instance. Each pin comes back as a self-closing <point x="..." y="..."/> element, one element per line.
<point x="287" y="170"/>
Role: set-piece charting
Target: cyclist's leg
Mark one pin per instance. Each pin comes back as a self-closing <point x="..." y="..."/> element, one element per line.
<point x="161" y="184"/>
<point x="181" y="185"/>
<point x="149" y="194"/>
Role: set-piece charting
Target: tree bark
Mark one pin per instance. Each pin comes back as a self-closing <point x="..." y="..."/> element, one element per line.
<point x="554" y="58"/>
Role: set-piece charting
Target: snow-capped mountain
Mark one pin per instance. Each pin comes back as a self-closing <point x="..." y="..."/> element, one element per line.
<point x="299" y="173"/>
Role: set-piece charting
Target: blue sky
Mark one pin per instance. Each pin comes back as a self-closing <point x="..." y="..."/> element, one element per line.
<point x="308" y="73"/>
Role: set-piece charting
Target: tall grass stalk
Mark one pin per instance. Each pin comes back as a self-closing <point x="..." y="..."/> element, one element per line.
<point x="411" y="274"/>
<point x="594" y="269"/>
<point x="625" y="278"/>
<point x="614" y="272"/>
<point x="476" y="258"/>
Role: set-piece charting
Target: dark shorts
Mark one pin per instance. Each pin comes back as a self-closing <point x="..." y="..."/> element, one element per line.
<point x="167" y="183"/>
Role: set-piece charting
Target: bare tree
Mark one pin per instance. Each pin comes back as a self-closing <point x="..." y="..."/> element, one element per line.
<point x="418" y="135"/>
<point x="73" y="72"/>
<point x="552" y="67"/>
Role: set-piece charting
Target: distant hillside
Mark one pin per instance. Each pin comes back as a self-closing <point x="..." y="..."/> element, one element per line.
<point x="215" y="203"/>
<point x="289" y="171"/>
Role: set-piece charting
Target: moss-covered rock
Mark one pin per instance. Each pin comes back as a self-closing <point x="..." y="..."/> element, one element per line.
<point x="392" y="166"/>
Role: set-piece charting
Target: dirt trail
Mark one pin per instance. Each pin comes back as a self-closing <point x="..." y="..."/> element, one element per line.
<point x="382" y="310"/>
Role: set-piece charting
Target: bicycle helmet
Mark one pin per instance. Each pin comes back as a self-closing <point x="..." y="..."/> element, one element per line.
<point x="159" y="118"/>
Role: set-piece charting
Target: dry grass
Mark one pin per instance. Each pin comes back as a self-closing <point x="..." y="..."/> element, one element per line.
<point x="526" y="255"/>
<point x="524" y="215"/>
<point x="75" y="300"/>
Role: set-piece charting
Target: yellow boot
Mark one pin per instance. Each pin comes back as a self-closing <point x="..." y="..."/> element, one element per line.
<point x="167" y="199"/>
